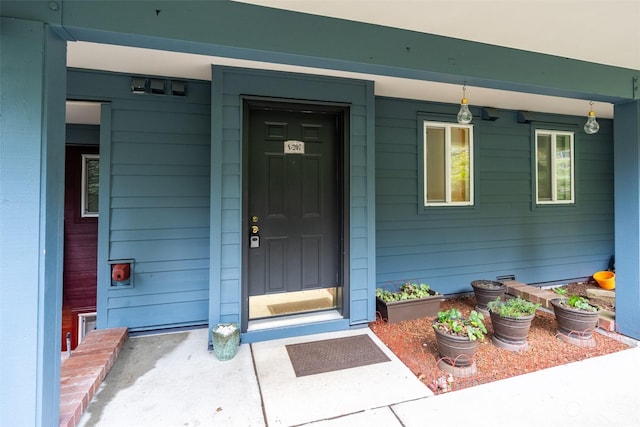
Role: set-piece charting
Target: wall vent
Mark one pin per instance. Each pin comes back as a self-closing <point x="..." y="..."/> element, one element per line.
<point x="143" y="85"/>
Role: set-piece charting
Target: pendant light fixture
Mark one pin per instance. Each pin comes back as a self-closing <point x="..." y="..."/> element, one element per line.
<point x="464" y="115"/>
<point x="592" y="125"/>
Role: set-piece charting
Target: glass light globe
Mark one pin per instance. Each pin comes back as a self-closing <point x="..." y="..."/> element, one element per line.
<point x="592" y="125"/>
<point x="464" y="115"/>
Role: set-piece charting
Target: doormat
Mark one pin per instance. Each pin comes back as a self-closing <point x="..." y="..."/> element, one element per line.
<point x="296" y="306"/>
<point x="335" y="354"/>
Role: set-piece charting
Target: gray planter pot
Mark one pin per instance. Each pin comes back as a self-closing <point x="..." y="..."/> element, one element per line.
<point x="510" y="333"/>
<point x="454" y="350"/>
<point x="574" y="323"/>
<point x="486" y="291"/>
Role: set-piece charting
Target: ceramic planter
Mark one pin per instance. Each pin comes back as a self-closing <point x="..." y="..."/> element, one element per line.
<point x="455" y="350"/>
<point x="487" y="291"/>
<point x="576" y="324"/>
<point x="511" y="333"/>
<point x="397" y="311"/>
<point x="226" y="339"/>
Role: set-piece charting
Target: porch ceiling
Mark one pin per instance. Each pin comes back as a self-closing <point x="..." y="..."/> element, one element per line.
<point x="604" y="32"/>
<point x="601" y="31"/>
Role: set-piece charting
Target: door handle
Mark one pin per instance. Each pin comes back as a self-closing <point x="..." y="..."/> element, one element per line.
<point x="255" y="229"/>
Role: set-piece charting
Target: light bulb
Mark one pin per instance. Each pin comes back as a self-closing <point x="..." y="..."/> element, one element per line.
<point x="592" y="125"/>
<point x="464" y="115"/>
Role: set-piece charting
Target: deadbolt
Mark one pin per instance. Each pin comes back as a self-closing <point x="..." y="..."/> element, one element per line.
<point x="254" y="229"/>
<point x="254" y="219"/>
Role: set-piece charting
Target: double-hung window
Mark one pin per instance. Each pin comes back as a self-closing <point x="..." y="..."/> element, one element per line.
<point x="448" y="164"/>
<point x="554" y="167"/>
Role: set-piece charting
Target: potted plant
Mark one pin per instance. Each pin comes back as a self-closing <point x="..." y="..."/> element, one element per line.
<point x="486" y="291"/>
<point x="511" y="320"/>
<point x="576" y="318"/>
<point x="410" y="301"/>
<point x="225" y="339"/>
<point x="457" y="339"/>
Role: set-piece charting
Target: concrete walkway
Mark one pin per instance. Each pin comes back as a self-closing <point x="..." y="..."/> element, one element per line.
<point x="172" y="380"/>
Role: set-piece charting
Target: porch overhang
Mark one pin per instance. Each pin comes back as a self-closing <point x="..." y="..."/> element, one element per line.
<point x="229" y="29"/>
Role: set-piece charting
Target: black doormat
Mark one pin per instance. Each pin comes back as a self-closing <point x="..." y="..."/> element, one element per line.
<point x="332" y="355"/>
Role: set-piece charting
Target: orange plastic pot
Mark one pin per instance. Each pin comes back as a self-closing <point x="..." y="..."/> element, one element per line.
<point x="605" y="279"/>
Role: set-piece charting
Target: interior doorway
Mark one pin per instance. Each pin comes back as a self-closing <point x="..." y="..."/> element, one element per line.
<point x="81" y="210"/>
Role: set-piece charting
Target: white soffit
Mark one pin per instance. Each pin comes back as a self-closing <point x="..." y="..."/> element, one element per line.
<point x="600" y="31"/>
<point x="138" y="61"/>
<point x="81" y="112"/>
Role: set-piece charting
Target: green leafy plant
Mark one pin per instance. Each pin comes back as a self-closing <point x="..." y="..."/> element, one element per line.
<point x="452" y="322"/>
<point x="580" y="303"/>
<point x="514" y="308"/>
<point x="560" y="291"/>
<point x="406" y="292"/>
<point x="575" y="301"/>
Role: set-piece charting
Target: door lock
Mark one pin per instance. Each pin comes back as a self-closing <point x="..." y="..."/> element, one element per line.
<point x="254" y="239"/>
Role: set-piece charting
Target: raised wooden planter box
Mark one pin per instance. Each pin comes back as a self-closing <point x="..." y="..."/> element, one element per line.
<point x="397" y="311"/>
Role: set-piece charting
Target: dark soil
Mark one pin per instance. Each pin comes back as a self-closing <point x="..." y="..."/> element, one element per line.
<point x="487" y="284"/>
<point x="580" y="288"/>
<point x="414" y="343"/>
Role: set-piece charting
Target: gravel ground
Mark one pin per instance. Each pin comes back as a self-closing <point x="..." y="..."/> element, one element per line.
<point x="414" y="343"/>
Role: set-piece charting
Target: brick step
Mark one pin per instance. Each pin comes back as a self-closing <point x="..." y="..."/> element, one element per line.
<point x="82" y="373"/>
<point x="544" y="296"/>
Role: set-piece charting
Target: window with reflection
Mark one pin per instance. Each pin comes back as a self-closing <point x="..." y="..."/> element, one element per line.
<point x="554" y="167"/>
<point x="448" y="164"/>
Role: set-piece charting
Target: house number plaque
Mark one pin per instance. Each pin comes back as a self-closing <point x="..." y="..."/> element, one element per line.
<point x="293" y="147"/>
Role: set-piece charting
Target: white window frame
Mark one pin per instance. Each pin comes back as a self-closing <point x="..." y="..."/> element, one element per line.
<point x="554" y="187"/>
<point x="448" y="126"/>
<point x="84" y="188"/>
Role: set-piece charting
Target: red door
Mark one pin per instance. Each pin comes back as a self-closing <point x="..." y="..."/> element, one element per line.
<point x="80" y="240"/>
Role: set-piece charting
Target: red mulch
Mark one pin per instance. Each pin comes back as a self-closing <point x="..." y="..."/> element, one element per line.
<point x="413" y="342"/>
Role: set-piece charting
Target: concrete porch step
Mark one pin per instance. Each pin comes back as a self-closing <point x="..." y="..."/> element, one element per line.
<point x="83" y="371"/>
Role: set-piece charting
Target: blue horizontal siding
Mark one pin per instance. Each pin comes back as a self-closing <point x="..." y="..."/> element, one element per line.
<point x="504" y="232"/>
<point x="159" y="161"/>
<point x="157" y="217"/>
<point x="160" y="315"/>
<point x="161" y="250"/>
<point x="158" y="186"/>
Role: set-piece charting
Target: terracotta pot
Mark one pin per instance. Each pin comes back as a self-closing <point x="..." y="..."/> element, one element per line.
<point x="455" y="350"/>
<point x="487" y="291"/>
<point x="511" y="330"/>
<point x="574" y="322"/>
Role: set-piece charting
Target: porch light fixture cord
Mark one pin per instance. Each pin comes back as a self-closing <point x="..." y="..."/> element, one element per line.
<point x="592" y="125"/>
<point x="464" y="115"/>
